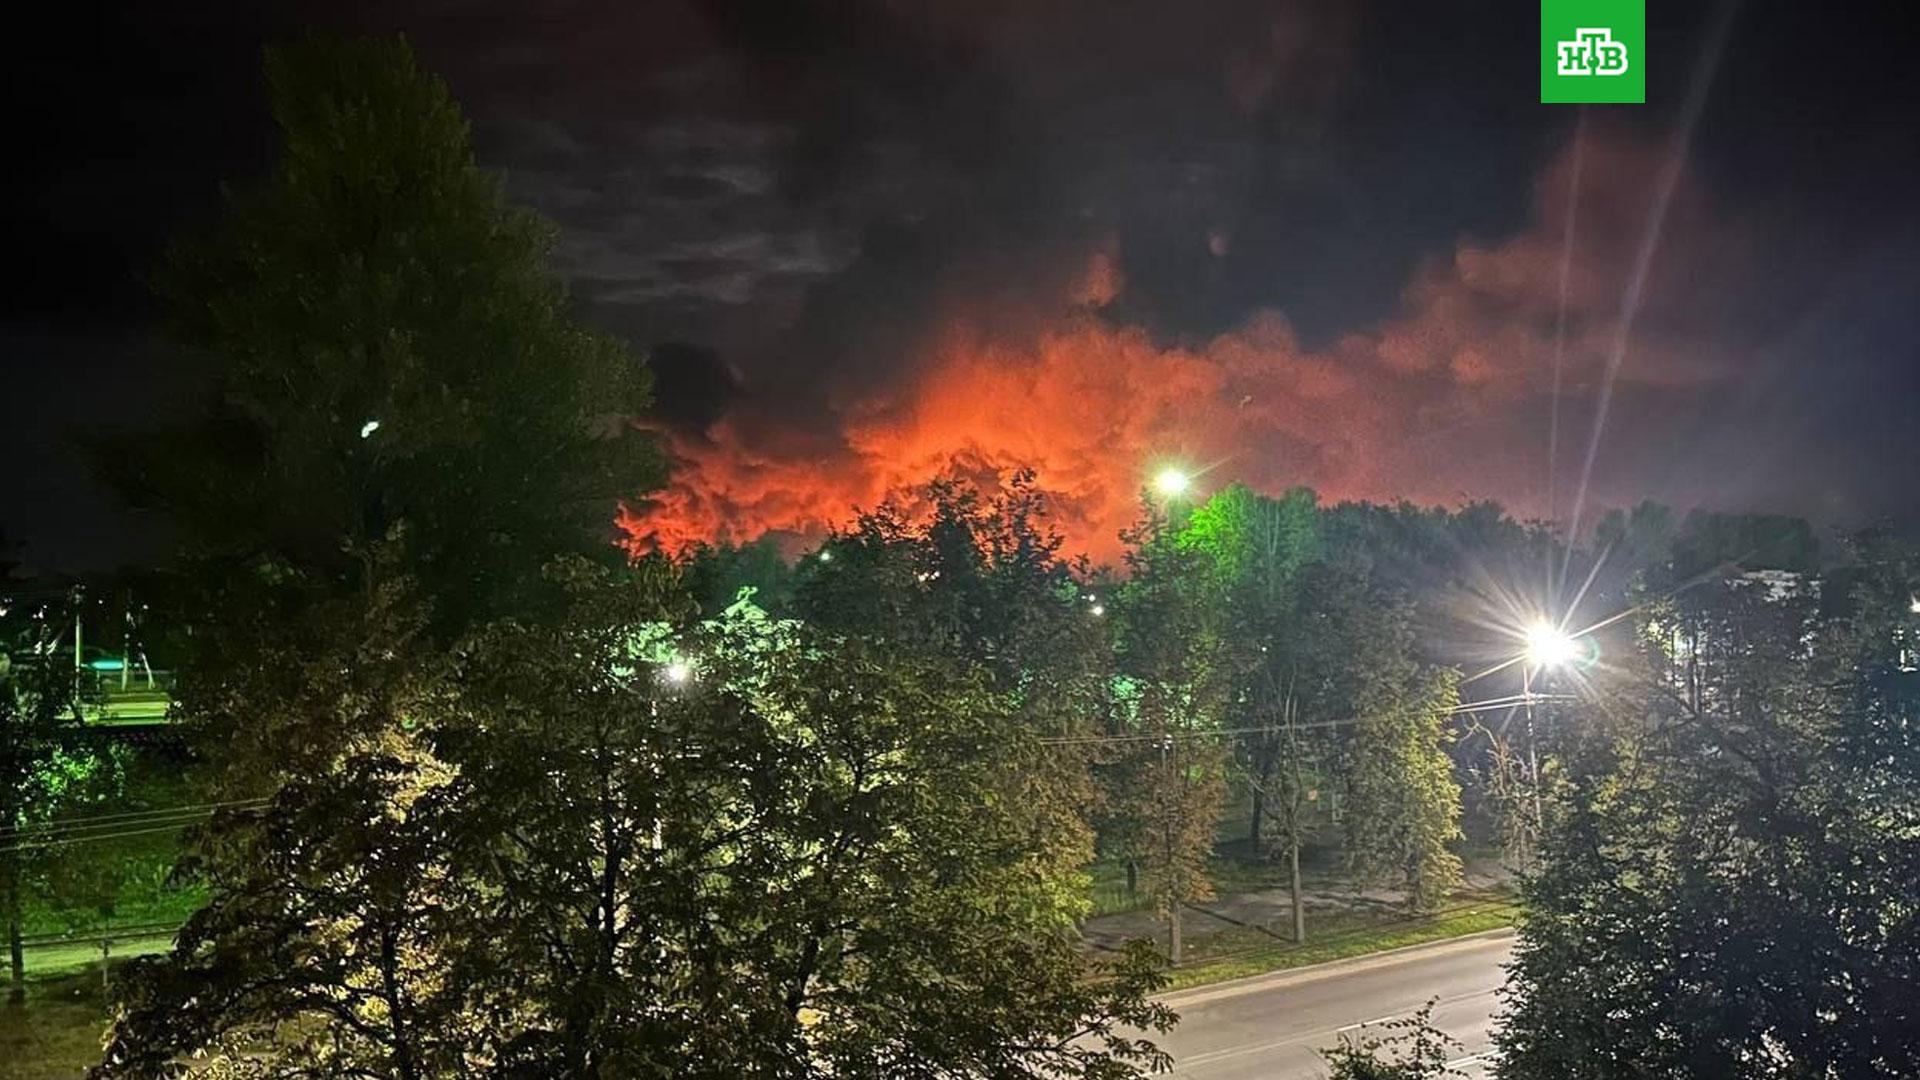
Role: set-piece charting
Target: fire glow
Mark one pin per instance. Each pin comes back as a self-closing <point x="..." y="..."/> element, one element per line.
<point x="1446" y="398"/>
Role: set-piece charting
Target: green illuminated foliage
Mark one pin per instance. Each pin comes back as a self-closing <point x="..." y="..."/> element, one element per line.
<point x="1169" y="782"/>
<point x="1255" y="552"/>
<point x="43" y="758"/>
<point x="1320" y="662"/>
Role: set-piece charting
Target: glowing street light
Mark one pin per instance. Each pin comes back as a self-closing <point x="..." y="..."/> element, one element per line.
<point x="678" y="672"/>
<point x="1913" y="605"/>
<point x="1171" y="483"/>
<point x="1548" y="646"/>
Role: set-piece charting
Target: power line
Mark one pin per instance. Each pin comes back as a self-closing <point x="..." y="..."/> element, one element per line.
<point x="120" y="826"/>
<point x="131" y="817"/>
<point x="31" y="845"/>
<point x="1508" y="702"/>
<point x="1207" y="733"/>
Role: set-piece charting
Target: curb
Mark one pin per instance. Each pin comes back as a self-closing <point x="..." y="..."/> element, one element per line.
<point x="1253" y="983"/>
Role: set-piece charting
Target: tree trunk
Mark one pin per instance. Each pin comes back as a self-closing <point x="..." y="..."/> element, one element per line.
<point x="1299" y="900"/>
<point x="16" y="950"/>
<point x="1173" y="935"/>
<point x="1253" y="828"/>
<point x="1133" y="878"/>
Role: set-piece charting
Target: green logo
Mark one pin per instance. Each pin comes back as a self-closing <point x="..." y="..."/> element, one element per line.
<point x="1593" y="51"/>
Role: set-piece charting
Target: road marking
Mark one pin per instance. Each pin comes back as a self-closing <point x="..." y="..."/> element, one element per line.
<point x="1367" y="1023"/>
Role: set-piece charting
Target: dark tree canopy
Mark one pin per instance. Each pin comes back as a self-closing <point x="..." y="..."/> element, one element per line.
<point x="391" y="355"/>
<point x="1729" y="881"/>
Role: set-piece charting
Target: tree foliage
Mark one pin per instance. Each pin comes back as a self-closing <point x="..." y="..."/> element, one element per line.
<point x="977" y="576"/>
<point x="43" y="753"/>
<point x="1171" y="694"/>
<point x="389" y="355"/>
<point x="805" y="860"/>
<point x="1385" y="713"/>
<point x="1411" y="1048"/>
<point x="1321" y="663"/>
<point x="1403" y="803"/>
<point x="1728" y="886"/>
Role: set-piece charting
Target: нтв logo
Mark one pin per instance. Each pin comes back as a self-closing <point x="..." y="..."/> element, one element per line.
<point x="1593" y="51"/>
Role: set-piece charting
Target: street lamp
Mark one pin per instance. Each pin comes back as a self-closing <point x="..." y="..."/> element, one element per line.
<point x="1171" y="482"/>
<point x="1548" y="646"/>
<point x="678" y="672"/>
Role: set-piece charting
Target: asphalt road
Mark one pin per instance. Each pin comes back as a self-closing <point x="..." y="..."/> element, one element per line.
<point x="1269" y="1027"/>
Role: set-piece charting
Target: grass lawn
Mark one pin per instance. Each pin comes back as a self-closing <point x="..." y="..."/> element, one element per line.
<point x="161" y="907"/>
<point x="56" y="1035"/>
<point x="137" y="905"/>
<point x="1229" y="874"/>
<point x="1233" y="954"/>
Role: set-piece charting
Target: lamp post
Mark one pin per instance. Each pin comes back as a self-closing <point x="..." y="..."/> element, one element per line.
<point x="1547" y="647"/>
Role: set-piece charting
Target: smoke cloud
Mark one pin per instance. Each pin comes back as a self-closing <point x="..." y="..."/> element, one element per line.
<point x="1447" y="398"/>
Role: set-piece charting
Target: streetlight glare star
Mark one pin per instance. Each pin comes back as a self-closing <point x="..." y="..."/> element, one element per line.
<point x="1171" y="482"/>
<point x="1549" y="646"/>
<point x="678" y="672"/>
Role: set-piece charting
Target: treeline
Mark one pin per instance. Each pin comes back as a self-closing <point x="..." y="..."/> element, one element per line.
<point x="1248" y="650"/>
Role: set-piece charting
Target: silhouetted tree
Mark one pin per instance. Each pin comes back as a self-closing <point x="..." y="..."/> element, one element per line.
<point x="391" y="359"/>
<point x="714" y="574"/>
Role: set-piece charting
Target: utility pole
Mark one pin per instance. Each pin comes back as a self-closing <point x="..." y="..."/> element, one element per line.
<point x="1294" y="798"/>
<point x="1533" y="766"/>
<point x="1167" y="829"/>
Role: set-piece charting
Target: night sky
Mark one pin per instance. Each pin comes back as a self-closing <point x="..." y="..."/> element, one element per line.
<point x="1297" y="242"/>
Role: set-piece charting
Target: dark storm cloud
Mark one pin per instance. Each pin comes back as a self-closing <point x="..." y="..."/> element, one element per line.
<point x="815" y="188"/>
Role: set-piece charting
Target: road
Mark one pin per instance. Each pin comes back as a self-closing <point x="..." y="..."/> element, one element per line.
<point x="1269" y="1027"/>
